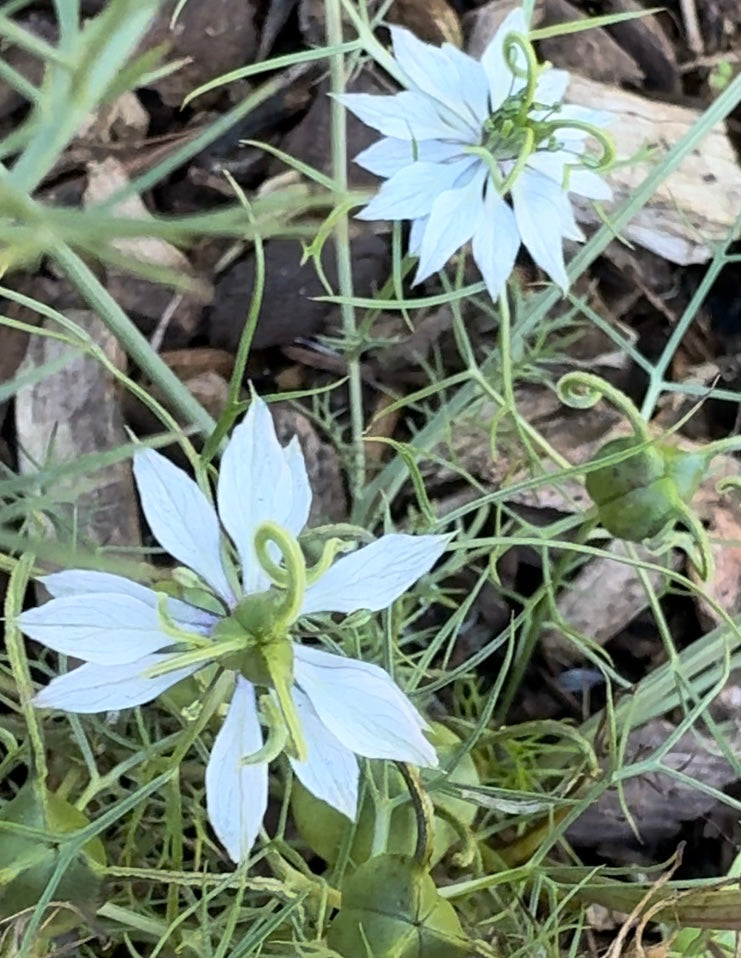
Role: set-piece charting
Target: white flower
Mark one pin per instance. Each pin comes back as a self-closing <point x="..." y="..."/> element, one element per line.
<point x="345" y="708"/>
<point x="453" y="138"/>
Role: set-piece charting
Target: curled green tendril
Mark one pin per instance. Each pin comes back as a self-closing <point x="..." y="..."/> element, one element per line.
<point x="292" y="578"/>
<point x="700" y="537"/>
<point x="329" y="553"/>
<point x="584" y="390"/>
<point x="600" y="164"/>
<point x="526" y="150"/>
<point x="529" y="74"/>
<point x="277" y="736"/>
<point x="168" y="625"/>
<point x="424" y="814"/>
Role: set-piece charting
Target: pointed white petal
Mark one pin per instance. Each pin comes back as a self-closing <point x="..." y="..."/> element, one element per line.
<point x="473" y="83"/>
<point x="363" y="707"/>
<point x="537" y="204"/>
<point x="388" y="156"/>
<point x="430" y="70"/>
<point x="589" y="184"/>
<point x="89" y="581"/>
<point x="406" y="116"/>
<point x="412" y="191"/>
<point x="181" y="518"/>
<point x="496" y="242"/>
<point x="599" y="118"/>
<point x="330" y="772"/>
<point x="551" y="86"/>
<point x="454" y="218"/>
<point x="102" y="628"/>
<point x="502" y="82"/>
<point x="103" y="688"/>
<point x="375" y="575"/>
<point x="416" y="234"/>
<point x="301" y="500"/>
<point x="255" y="485"/>
<point x="570" y="229"/>
<point x="237" y="794"/>
<point x="551" y="164"/>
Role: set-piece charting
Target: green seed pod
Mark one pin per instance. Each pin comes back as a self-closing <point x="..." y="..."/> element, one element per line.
<point x="323" y="828"/>
<point x="392" y="909"/>
<point x="609" y="483"/>
<point x="27" y="862"/>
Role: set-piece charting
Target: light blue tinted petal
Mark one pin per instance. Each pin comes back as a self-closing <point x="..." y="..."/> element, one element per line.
<point x="453" y="220"/>
<point x="502" y="82"/>
<point x="388" y="156"/>
<point x="473" y="82"/>
<point x="255" y="485"/>
<point x="237" y="794"/>
<point x="301" y="490"/>
<point x="406" y="116"/>
<point x="181" y="518"/>
<point x="434" y="73"/>
<point x="589" y="184"/>
<point x="89" y="581"/>
<point x="551" y="86"/>
<point x="363" y="707"/>
<point x="102" y="628"/>
<point x="104" y="688"/>
<point x="570" y="229"/>
<point x="551" y="164"/>
<point x="583" y="114"/>
<point x="496" y="242"/>
<point x="330" y="772"/>
<point x="412" y="191"/>
<point x="538" y="211"/>
<point x="375" y="575"/>
<point x="416" y="234"/>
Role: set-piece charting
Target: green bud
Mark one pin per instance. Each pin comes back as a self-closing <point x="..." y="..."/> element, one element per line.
<point x="392" y="909"/>
<point x="28" y="862"/>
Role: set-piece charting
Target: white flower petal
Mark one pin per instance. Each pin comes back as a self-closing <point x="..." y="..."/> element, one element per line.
<point x="102" y="628"/>
<point x="551" y="164"/>
<point x="568" y="111"/>
<point x="473" y="82"/>
<point x="416" y="234"/>
<point x="71" y="582"/>
<point x="181" y="518"/>
<point x="453" y="220"/>
<point x="363" y="707"/>
<point x="590" y="184"/>
<point x="255" y="485"/>
<point x="330" y="772"/>
<point x="388" y="156"/>
<point x="496" y="242"/>
<point x="551" y="86"/>
<point x="502" y="82"/>
<point x="237" y="794"/>
<point x="406" y="116"/>
<point x="537" y="204"/>
<point x="412" y="191"/>
<point x="431" y="71"/>
<point x="102" y="688"/>
<point x="375" y="575"/>
<point x="301" y="498"/>
<point x="570" y="229"/>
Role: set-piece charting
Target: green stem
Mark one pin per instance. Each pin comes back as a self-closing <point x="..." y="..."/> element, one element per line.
<point x="356" y="477"/>
<point x="584" y="390"/>
<point x="424" y="814"/>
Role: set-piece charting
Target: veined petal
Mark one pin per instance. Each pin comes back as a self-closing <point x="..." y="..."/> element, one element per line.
<point x="412" y="191"/>
<point x="551" y="86"/>
<point x="454" y="218"/>
<point x="71" y="582"/>
<point x="301" y="499"/>
<point x="590" y="184"/>
<point x="502" y="82"/>
<point x="255" y="485"/>
<point x="102" y="688"/>
<point x="496" y="242"/>
<point x="387" y="156"/>
<point x="408" y="115"/>
<point x="330" y="772"/>
<point x="181" y="518"/>
<point x="363" y="707"/>
<point x="416" y="234"/>
<point x="375" y="575"/>
<point x="237" y="794"/>
<point x="102" y="628"/>
<point x="470" y="76"/>
<point x="433" y="72"/>
<point x="538" y="212"/>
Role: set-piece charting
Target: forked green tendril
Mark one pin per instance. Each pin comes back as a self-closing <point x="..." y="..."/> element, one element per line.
<point x="168" y="625"/>
<point x="292" y="578"/>
<point x="181" y="660"/>
<point x="277" y="735"/>
<point x="599" y="164"/>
